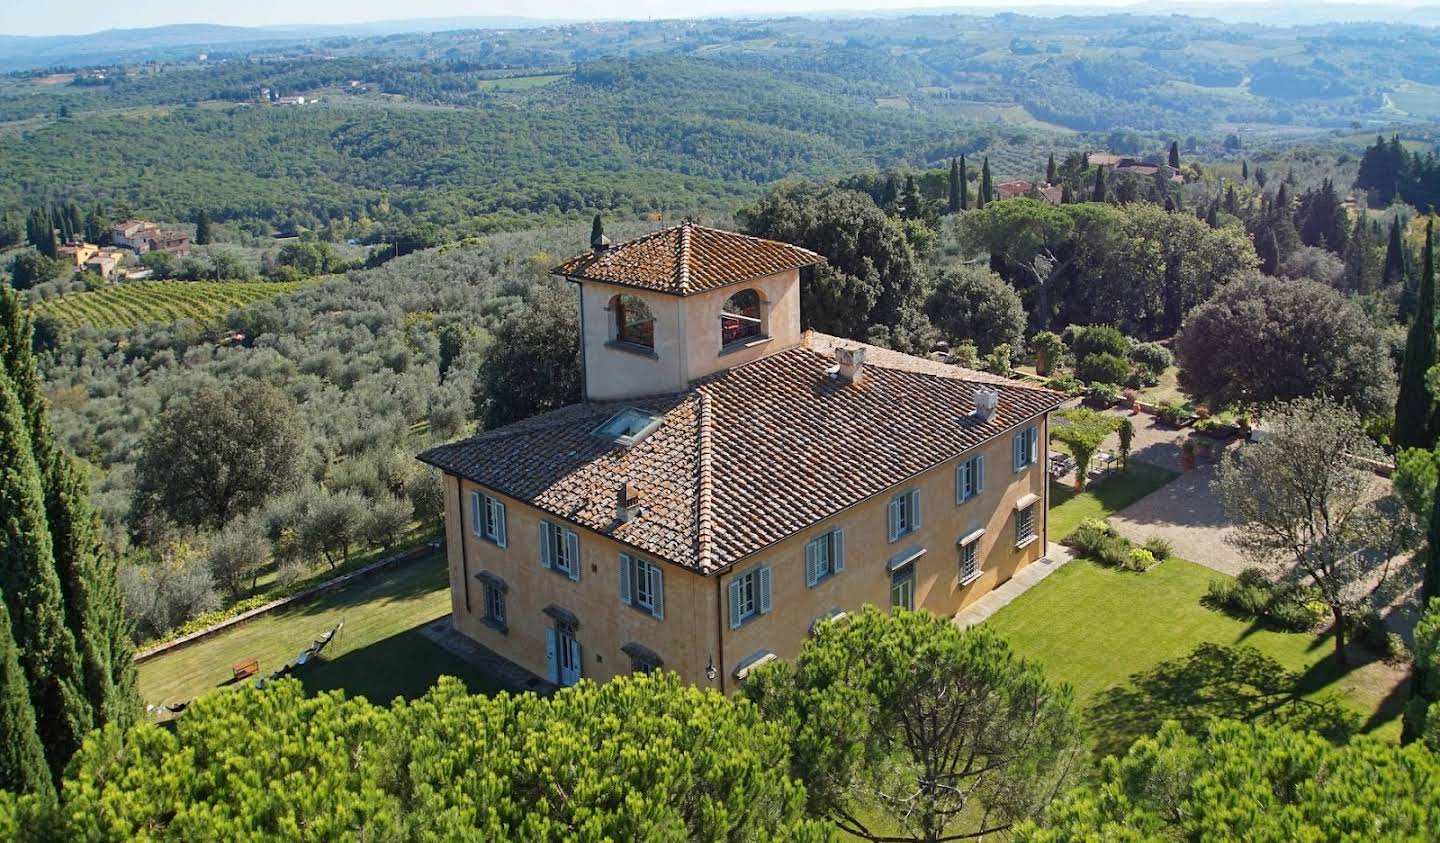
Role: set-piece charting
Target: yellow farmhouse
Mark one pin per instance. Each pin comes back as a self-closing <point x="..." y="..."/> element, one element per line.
<point x="729" y="480"/>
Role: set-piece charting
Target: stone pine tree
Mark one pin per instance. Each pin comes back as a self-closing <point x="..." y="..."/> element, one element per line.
<point x="986" y="187"/>
<point x="956" y="187"/>
<point x="1098" y="194"/>
<point x="203" y="235"/>
<point x="1050" y="172"/>
<point x="33" y="595"/>
<point x="22" y="759"/>
<point x="964" y="186"/>
<point x="1413" y="426"/>
<point x="1175" y="154"/>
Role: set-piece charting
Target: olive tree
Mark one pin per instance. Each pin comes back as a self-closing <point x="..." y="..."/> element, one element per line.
<point x="942" y="732"/>
<point x="1304" y="504"/>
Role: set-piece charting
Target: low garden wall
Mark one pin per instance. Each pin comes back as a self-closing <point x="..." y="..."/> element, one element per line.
<point x="410" y="555"/>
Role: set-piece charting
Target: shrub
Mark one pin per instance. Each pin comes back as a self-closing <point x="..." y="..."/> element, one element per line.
<point x="1139" y="559"/>
<point x="1172" y="414"/>
<point x="1087" y="538"/>
<point x="1068" y="384"/>
<point x="1252" y="595"/>
<point x="1372" y="631"/>
<point x="1102" y="394"/>
<point x="1152" y="357"/>
<point x="1114" y="552"/>
<point x="1048" y="348"/>
<point x="965" y="354"/>
<point x="1160" y="547"/>
<point x="1105" y="368"/>
<point x="1086" y="340"/>
<point x="997" y="362"/>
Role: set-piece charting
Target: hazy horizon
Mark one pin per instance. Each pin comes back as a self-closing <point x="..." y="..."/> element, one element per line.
<point x="88" y="16"/>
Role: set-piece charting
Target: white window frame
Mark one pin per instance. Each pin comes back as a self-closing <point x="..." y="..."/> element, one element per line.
<point x="560" y="549"/>
<point x="749" y="596"/>
<point x="970" y="567"/>
<point x="903" y="514"/>
<point x="640" y="577"/>
<point x="824" y="556"/>
<point x="1026" y="450"/>
<point x="487" y="518"/>
<point x="495" y="614"/>
<point x="969" y="479"/>
<point x="1023" y="517"/>
<point x="905" y="575"/>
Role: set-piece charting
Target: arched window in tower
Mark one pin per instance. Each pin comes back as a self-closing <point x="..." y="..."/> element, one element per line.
<point x="634" y="323"/>
<point x="740" y="317"/>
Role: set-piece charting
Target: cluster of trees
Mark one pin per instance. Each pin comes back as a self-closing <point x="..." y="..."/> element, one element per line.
<point x="65" y="654"/>
<point x="1391" y="172"/>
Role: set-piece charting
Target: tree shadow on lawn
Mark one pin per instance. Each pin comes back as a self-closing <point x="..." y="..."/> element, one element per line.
<point x="1214" y="681"/>
<point x="406" y="581"/>
<point x="406" y="664"/>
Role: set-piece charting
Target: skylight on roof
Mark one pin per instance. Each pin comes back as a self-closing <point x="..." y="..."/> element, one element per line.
<point x="628" y="426"/>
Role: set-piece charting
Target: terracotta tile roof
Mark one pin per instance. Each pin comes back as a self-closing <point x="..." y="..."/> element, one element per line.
<point x="748" y="456"/>
<point x="687" y="259"/>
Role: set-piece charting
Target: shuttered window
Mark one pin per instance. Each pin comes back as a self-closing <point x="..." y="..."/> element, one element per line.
<point x="642" y="585"/>
<point x="969" y="479"/>
<point x="1027" y="444"/>
<point x="749" y="595"/>
<point x="560" y="550"/>
<point x="487" y="518"/>
<point x="904" y="514"/>
<point x="824" y="556"/>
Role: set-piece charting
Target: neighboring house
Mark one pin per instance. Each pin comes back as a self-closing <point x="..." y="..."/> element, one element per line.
<point x="730" y="480"/>
<point x="1137" y="166"/>
<point x="1050" y="193"/>
<point x="141" y="237"/>
<point x="104" y="262"/>
<point x="76" y="254"/>
<point x="289" y="100"/>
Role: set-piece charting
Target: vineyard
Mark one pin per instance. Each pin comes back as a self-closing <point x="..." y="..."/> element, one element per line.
<point x="138" y="302"/>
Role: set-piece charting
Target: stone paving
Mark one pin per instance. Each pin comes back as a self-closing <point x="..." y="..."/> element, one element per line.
<point x="1056" y="555"/>
<point x="507" y="673"/>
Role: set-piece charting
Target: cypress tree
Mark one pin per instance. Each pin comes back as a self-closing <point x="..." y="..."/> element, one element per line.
<point x="890" y="193"/>
<point x="964" y="186"/>
<point x="1412" y="409"/>
<point x="1175" y="154"/>
<point x="203" y="234"/>
<point x="22" y="759"/>
<point x="986" y="188"/>
<point x="954" y="206"/>
<point x="18" y="362"/>
<point x="32" y="591"/>
<point x="1066" y="197"/>
<point x="1098" y="195"/>
<point x="1050" y="170"/>
<point x="597" y="230"/>
<point x="1245" y="171"/>
<point x="1357" y="257"/>
<point x="911" y="203"/>
<point x="1394" y="269"/>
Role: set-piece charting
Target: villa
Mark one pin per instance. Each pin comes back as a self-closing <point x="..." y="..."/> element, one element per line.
<point x="729" y="480"/>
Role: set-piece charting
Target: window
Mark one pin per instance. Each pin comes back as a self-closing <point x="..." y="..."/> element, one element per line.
<point x="494" y="606"/>
<point x="1026" y="446"/>
<point x="904" y="514"/>
<point x="634" y="324"/>
<point x="642" y="658"/>
<point x="740" y="317"/>
<point x="642" y="585"/>
<point x="560" y="550"/>
<point x="902" y="588"/>
<point x="969" y="479"/>
<point x="628" y="426"/>
<point x="970" y="557"/>
<point x="487" y="518"/>
<point x="749" y="595"/>
<point x="824" y="556"/>
<point x="1025" y="526"/>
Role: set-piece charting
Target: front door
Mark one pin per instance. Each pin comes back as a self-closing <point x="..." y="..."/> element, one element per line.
<point x="563" y="655"/>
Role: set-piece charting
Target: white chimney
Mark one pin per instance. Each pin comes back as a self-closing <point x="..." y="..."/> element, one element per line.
<point x="851" y="364"/>
<point x="987" y="400"/>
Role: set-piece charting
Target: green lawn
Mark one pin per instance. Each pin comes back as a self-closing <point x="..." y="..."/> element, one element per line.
<point x="1068" y="509"/>
<point x="1094" y="628"/>
<point x="380" y="653"/>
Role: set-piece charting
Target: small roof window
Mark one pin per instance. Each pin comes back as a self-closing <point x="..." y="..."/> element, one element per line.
<point x="628" y="426"/>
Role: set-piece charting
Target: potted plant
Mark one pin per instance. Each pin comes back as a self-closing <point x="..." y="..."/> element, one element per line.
<point x="1174" y="415"/>
<point x="1187" y="454"/>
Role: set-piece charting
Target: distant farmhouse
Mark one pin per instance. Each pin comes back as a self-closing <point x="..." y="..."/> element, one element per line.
<point x="104" y="261"/>
<point x="1050" y="193"/>
<point x="1138" y="166"/>
<point x="141" y="237"/>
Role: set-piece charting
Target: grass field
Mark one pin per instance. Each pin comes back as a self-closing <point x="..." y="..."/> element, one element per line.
<point x="518" y="83"/>
<point x="1068" y="509"/>
<point x="1095" y="627"/>
<point x="380" y="654"/>
<point x="138" y="302"/>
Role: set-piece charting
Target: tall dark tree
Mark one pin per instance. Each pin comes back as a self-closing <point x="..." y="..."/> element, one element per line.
<point x="597" y="229"/>
<point x="956" y="187"/>
<point x="22" y="758"/>
<point x="1413" y="410"/>
<point x="890" y="193"/>
<point x="964" y="186"/>
<point x="40" y="232"/>
<point x="912" y="207"/>
<point x="203" y="235"/>
<point x="1245" y="171"/>
<point x="1175" y="154"/>
<point x="1359" y="272"/>
<point x="987" y="188"/>
<point x="1050" y="173"/>
<point x="1098" y="193"/>
<point x="1066" y="196"/>
<point x="32" y="592"/>
<point x="533" y="365"/>
<point x="1321" y="218"/>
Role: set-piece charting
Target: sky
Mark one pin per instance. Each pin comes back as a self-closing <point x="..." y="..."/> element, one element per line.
<point x="20" y="17"/>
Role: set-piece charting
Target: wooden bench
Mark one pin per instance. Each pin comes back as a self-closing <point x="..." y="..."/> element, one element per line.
<point x="245" y="669"/>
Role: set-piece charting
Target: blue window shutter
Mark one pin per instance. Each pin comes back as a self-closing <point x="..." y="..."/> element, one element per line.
<point x="657" y="589"/>
<point x="915" y="510"/>
<point x="812" y="552"/>
<point x="734" y="603"/>
<point x="500" y="523"/>
<point x="1017" y="449"/>
<point x="625" y="590"/>
<point x="477" y="515"/>
<point x="1033" y="434"/>
<point x="552" y="656"/>
<point x="979" y="470"/>
<point x="837" y="549"/>
<point x="960" y="482"/>
<point x="894" y="516"/>
<point x="572" y="553"/>
<point x="545" y="560"/>
<point x="762" y="585"/>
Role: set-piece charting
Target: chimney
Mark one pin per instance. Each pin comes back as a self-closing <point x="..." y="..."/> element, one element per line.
<point x="599" y="244"/>
<point x="987" y="400"/>
<point x="627" y="505"/>
<point x="851" y="362"/>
